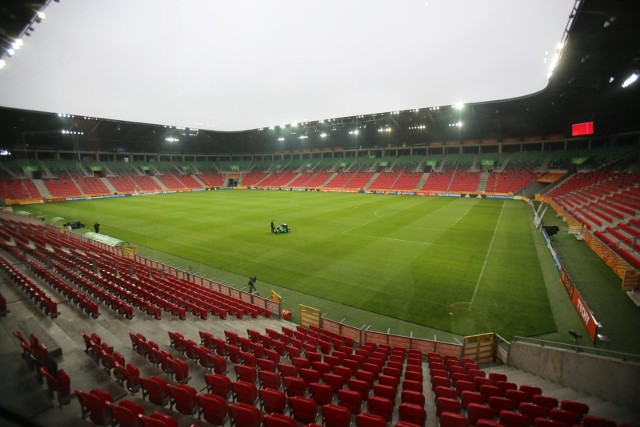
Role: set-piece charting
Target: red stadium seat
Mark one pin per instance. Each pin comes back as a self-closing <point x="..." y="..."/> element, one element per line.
<point x="272" y="400"/>
<point x="212" y="408"/>
<point x="336" y="415"/>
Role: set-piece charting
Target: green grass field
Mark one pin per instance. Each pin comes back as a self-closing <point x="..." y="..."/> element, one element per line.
<point x="460" y="265"/>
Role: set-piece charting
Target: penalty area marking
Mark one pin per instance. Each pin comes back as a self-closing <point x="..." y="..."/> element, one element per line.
<point x="486" y="257"/>
<point x="461" y="307"/>
<point x="377" y="217"/>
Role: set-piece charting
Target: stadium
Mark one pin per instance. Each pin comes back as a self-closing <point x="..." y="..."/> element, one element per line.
<point x="453" y="238"/>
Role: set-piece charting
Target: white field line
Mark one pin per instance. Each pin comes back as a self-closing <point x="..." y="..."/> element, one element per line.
<point x="486" y="258"/>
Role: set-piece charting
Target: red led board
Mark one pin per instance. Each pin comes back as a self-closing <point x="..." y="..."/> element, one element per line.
<point x="585" y="128"/>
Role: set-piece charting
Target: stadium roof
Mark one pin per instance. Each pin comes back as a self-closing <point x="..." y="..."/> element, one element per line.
<point x="601" y="48"/>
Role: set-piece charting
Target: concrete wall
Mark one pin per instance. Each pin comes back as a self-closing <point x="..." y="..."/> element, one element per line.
<point x="613" y="380"/>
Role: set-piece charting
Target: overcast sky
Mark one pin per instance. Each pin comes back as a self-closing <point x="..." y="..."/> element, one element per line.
<point x="243" y="64"/>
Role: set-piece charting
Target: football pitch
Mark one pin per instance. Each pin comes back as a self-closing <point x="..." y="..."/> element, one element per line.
<point x="465" y="266"/>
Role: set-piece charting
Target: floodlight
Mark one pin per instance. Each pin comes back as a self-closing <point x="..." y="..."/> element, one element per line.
<point x="630" y="80"/>
<point x="3" y="63"/>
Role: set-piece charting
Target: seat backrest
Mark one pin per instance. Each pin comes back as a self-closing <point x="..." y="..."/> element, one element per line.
<point x="479" y="411"/>
<point x="180" y="370"/>
<point x="272" y="400"/>
<point x="294" y="386"/>
<point x="450" y="419"/>
<point x="336" y="381"/>
<point x="380" y="406"/>
<point x="574" y="406"/>
<point x="244" y="415"/>
<point x="245" y="392"/>
<point x="279" y="420"/>
<point x="501" y="403"/>
<point x="147" y="421"/>
<point x="532" y="410"/>
<point x="64" y="384"/>
<point x="336" y="415"/>
<point x="269" y="379"/>
<point x="214" y="408"/>
<point x="546" y="422"/>
<point x="321" y="393"/>
<point x="219" y="363"/>
<point x="218" y="384"/>
<point x="595" y="421"/>
<point x="366" y="419"/>
<point x="122" y="415"/>
<point x="384" y="391"/>
<point x="94" y="406"/>
<point x="497" y="376"/>
<point x="530" y="390"/>
<point x="567" y="417"/>
<point x="351" y="400"/>
<point x="156" y="391"/>
<point x="518" y="396"/>
<point x="246" y="373"/>
<point x="548" y="402"/>
<point x="444" y="404"/>
<point x="411" y="413"/>
<point x="167" y="420"/>
<point x="184" y="397"/>
<point x="360" y="386"/>
<point x="303" y="409"/>
<point x="266" y="365"/>
<point x="52" y="382"/>
<point x="513" y="419"/>
<point x="134" y="407"/>
<point x="287" y="370"/>
<point x="309" y="375"/>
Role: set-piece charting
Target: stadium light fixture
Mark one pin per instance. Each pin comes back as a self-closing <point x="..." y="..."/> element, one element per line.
<point x="281" y="138"/>
<point x="458" y="106"/>
<point x="323" y="135"/>
<point x="555" y="59"/>
<point x="630" y="80"/>
<point x="3" y="63"/>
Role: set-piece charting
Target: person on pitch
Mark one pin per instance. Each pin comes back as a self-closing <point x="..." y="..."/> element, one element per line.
<point x="252" y="287"/>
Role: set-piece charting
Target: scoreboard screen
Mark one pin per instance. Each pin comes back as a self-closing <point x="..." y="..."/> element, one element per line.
<point x="579" y="129"/>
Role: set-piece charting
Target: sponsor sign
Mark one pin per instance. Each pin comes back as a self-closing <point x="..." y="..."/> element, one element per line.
<point x="586" y="317"/>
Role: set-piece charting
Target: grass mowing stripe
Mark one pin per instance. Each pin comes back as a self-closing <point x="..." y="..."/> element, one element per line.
<point x="486" y="258"/>
<point x="417" y="257"/>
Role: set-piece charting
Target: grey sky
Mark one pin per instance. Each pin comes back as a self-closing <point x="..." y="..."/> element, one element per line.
<point x="244" y="64"/>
